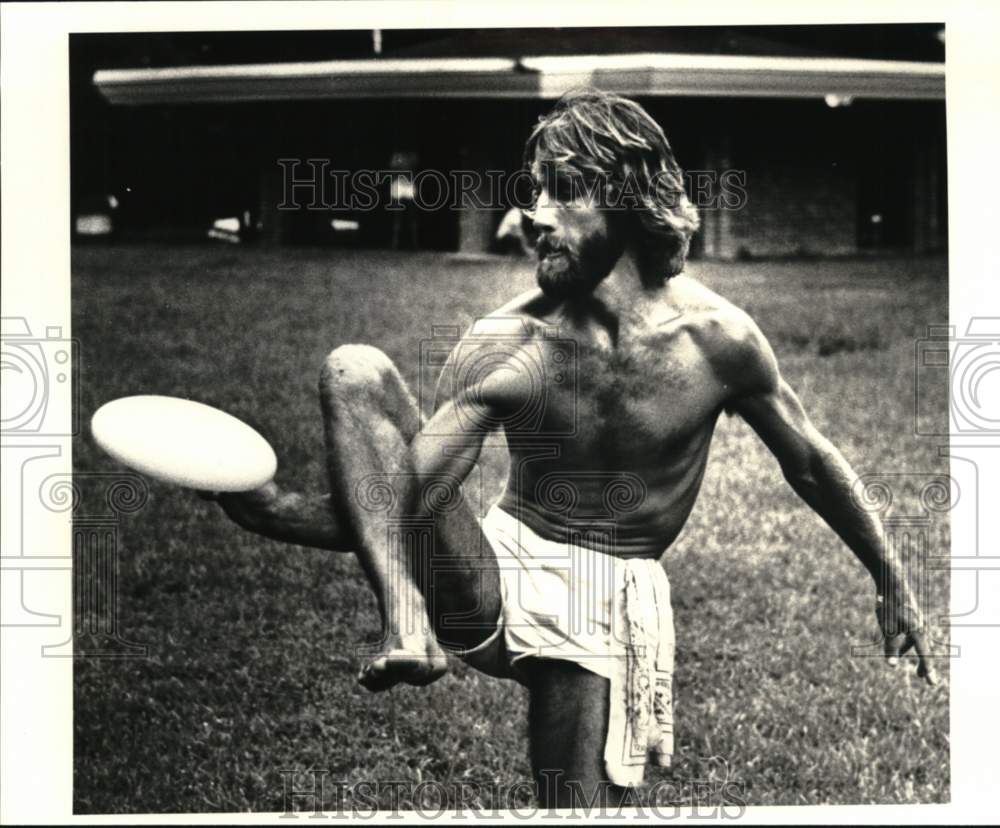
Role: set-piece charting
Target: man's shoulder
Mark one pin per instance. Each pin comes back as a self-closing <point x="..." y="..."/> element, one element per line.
<point x="727" y="335"/>
<point x="715" y="321"/>
<point x="521" y="318"/>
<point x="493" y="343"/>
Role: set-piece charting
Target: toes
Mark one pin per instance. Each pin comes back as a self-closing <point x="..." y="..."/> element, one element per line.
<point x="376" y="677"/>
<point x="394" y="667"/>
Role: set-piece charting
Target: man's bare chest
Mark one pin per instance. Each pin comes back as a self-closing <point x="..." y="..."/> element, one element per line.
<point x="653" y="389"/>
<point x="639" y="393"/>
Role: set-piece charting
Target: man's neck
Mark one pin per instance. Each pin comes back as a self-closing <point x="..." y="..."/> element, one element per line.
<point x="628" y="290"/>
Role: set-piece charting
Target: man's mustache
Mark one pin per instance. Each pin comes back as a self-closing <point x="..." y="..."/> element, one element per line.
<point x="546" y="247"/>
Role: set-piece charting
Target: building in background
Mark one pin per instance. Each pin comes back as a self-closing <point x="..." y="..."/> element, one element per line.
<point x="839" y="131"/>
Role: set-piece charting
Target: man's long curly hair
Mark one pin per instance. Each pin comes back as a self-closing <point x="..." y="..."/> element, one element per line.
<point x="599" y="136"/>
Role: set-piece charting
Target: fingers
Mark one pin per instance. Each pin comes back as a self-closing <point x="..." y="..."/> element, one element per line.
<point x="894" y="645"/>
<point x="913" y="638"/>
<point x="897" y="646"/>
<point x="925" y="669"/>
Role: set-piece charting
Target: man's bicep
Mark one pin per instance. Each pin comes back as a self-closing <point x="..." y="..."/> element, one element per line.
<point x="474" y="351"/>
<point x="467" y="412"/>
<point x="778" y="418"/>
<point x="768" y="404"/>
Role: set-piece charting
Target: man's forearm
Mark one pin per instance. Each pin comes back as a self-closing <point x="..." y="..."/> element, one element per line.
<point x="827" y="487"/>
<point x="440" y="467"/>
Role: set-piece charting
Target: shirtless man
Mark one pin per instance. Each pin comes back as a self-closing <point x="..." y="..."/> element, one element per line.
<point x="657" y="358"/>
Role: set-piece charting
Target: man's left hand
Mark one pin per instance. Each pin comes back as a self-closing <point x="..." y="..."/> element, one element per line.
<point x="904" y="629"/>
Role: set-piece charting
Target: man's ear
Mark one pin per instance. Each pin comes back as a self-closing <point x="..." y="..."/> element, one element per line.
<point x="623" y="220"/>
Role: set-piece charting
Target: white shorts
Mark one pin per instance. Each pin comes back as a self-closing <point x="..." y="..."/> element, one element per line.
<point x="608" y="615"/>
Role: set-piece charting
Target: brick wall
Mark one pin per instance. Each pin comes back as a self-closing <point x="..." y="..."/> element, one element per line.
<point x="796" y="206"/>
<point x="824" y="181"/>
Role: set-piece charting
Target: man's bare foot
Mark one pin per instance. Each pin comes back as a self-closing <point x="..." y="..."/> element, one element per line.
<point x="418" y="663"/>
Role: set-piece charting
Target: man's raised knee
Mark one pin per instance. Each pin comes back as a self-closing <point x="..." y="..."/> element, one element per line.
<point x="362" y="375"/>
<point x="353" y="369"/>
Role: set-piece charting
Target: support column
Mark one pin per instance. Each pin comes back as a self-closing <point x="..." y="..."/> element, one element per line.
<point x="274" y="223"/>
<point x="476" y="223"/>
<point x="717" y="223"/>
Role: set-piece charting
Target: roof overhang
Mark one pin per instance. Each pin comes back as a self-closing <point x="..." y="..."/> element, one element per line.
<point x="655" y="74"/>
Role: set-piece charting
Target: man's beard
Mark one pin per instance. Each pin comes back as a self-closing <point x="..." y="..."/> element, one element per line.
<point x="565" y="272"/>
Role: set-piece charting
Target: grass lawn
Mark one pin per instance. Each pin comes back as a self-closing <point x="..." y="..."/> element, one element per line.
<point x="253" y="643"/>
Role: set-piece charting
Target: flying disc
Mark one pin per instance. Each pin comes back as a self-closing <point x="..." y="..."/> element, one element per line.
<point x="184" y="442"/>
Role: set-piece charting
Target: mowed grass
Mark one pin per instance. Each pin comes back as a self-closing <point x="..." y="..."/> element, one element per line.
<point x="253" y="644"/>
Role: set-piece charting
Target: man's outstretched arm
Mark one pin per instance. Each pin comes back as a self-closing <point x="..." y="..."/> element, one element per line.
<point x="821" y="476"/>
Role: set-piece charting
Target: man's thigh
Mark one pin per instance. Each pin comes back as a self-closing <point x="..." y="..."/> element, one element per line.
<point x="568" y="727"/>
<point x="372" y="417"/>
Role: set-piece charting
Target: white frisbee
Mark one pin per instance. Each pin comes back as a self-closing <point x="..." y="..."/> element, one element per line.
<point x="184" y="442"/>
